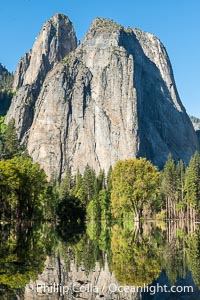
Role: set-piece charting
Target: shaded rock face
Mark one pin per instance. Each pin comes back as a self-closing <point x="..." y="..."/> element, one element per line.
<point x="113" y="97"/>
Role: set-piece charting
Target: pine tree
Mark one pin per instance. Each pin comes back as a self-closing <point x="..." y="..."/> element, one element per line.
<point x="109" y="179"/>
<point x="169" y="186"/>
<point x="180" y="181"/>
<point x="101" y="180"/>
<point x="67" y="183"/>
<point x="78" y="190"/>
<point x="192" y="186"/>
<point x="88" y="184"/>
<point x="12" y="145"/>
<point x="2" y="136"/>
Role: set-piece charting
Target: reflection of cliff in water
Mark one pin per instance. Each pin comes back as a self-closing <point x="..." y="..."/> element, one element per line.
<point x="93" y="264"/>
<point x="76" y="282"/>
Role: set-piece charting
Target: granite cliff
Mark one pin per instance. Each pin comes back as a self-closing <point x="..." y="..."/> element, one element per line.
<point x="196" y="124"/>
<point x="111" y="97"/>
<point x="55" y="40"/>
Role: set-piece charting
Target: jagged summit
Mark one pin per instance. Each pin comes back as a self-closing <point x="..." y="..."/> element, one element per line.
<point x="104" y="24"/>
<point x="58" y="17"/>
<point x="56" y="39"/>
<point x="112" y="97"/>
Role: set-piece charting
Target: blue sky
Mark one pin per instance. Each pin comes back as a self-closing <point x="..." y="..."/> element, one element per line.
<point x="175" y="22"/>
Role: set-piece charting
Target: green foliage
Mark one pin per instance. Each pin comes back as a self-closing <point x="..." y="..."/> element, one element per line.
<point x="169" y="177"/>
<point x="90" y="189"/>
<point x="109" y="179"/>
<point x="66" y="184"/>
<point x="180" y="179"/>
<point x="23" y="250"/>
<point x="135" y="258"/>
<point x="135" y="182"/>
<point x="100" y="181"/>
<point x="94" y="245"/>
<point x="67" y="59"/>
<point x="12" y="145"/>
<point x="193" y="254"/>
<point x="137" y="188"/>
<point x="5" y="101"/>
<point x="9" y="143"/>
<point x="105" y="205"/>
<point x="2" y="132"/>
<point x="6" y="79"/>
<point x="88" y="185"/>
<point x="2" y="125"/>
<point x="181" y="188"/>
<point x="99" y="207"/>
<point x="70" y="209"/>
<point x="107" y="24"/>
<point x="93" y="210"/>
<point x="192" y="182"/>
<point x="6" y="94"/>
<point x="169" y="186"/>
<point x="22" y="188"/>
<point x="81" y="186"/>
<point x="135" y="255"/>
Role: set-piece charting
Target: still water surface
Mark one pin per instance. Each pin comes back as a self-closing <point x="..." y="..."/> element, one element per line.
<point x="100" y="260"/>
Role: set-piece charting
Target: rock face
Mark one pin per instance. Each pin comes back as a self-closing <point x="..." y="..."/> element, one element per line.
<point x="113" y="97"/>
<point x="56" y="39"/>
<point x="195" y="122"/>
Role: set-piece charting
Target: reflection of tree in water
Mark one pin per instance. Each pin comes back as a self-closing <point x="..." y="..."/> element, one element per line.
<point x="71" y="216"/>
<point x="91" y="246"/>
<point x="193" y="255"/>
<point x="139" y="258"/>
<point x="174" y="251"/>
<point x="191" y="242"/>
<point x="70" y="233"/>
<point x="138" y="255"/>
<point x="23" y="250"/>
<point x="135" y="257"/>
<point x="181" y="252"/>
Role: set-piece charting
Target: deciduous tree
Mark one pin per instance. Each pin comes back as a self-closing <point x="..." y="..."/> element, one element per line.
<point x="135" y="182"/>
